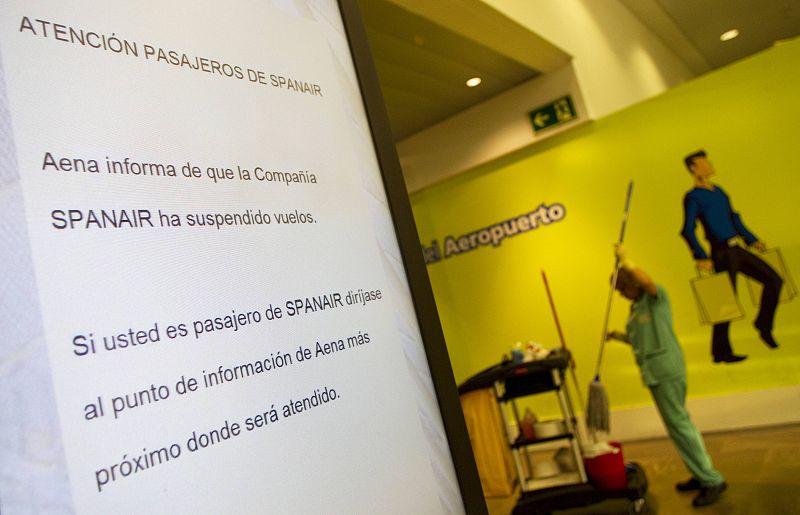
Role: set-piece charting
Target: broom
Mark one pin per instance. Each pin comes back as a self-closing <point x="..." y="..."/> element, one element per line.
<point x="597" y="418"/>
<point x="564" y="344"/>
<point x="563" y="341"/>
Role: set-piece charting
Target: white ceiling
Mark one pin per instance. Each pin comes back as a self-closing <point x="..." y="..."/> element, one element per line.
<point x="422" y="64"/>
<point x="423" y="67"/>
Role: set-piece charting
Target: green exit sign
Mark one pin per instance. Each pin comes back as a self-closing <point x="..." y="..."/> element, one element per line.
<point x="554" y="113"/>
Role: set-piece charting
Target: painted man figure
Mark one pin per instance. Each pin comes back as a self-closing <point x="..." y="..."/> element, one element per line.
<point x="660" y="360"/>
<point x="725" y="231"/>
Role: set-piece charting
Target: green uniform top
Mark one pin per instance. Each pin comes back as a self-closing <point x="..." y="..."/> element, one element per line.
<point x="649" y="328"/>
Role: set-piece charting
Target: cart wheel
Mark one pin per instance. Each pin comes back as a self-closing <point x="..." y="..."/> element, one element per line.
<point x="638" y="506"/>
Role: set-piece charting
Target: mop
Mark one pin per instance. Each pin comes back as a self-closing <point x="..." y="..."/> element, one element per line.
<point x="597" y="418"/>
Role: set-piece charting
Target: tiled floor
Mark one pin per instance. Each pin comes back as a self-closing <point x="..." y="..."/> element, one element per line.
<point x="761" y="466"/>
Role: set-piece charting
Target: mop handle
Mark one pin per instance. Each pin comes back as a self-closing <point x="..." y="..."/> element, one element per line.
<point x="605" y="322"/>
<point x="625" y="212"/>
<point x="613" y="283"/>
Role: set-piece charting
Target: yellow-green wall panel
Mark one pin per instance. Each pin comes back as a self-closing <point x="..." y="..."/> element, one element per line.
<point x="746" y="116"/>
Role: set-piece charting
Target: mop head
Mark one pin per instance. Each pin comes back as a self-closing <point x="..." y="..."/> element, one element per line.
<point x="597" y="418"/>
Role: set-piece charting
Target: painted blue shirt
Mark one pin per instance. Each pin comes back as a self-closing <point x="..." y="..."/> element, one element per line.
<point x="653" y="340"/>
<point x="720" y="222"/>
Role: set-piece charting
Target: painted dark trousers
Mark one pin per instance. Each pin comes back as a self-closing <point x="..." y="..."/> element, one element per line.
<point x="736" y="260"/>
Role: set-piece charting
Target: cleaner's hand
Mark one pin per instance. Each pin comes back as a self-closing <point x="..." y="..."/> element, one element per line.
<point x="617" y="335"/>
<point x="622" y="258"/>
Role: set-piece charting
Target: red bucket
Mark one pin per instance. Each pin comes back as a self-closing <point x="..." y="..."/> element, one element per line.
<point x="607" y="471"/>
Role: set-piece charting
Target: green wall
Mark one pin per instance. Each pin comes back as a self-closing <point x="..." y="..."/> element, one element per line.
<point x="747" y="117"/>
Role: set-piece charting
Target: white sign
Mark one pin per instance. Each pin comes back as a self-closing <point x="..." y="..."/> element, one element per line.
<point x="220" y="324"/>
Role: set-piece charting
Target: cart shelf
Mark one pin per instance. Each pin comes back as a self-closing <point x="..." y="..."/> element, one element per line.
<point x="526" y="442"/>
<point x="566" y="478"/>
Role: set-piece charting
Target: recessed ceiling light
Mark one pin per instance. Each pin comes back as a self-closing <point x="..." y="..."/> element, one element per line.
<point x="474" y="81"/>
<point x="728" y="35"/>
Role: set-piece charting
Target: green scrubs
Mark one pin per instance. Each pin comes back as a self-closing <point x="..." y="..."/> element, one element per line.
<point x="660" y="360"/>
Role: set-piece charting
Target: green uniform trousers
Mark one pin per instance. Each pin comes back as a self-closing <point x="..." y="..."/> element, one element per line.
<point x="670" y="399"/>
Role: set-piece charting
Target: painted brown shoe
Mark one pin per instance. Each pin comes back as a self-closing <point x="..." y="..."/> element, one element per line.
<point x="768" y="339"/>
<point x="732" y="358"/>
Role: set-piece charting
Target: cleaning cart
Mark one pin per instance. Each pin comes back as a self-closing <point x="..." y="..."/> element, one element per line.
<point x="542" y="490"/>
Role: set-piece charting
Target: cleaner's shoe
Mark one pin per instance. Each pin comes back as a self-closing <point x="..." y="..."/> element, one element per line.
<point x="688" y="486"/>
<point x="709" y="494"/>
